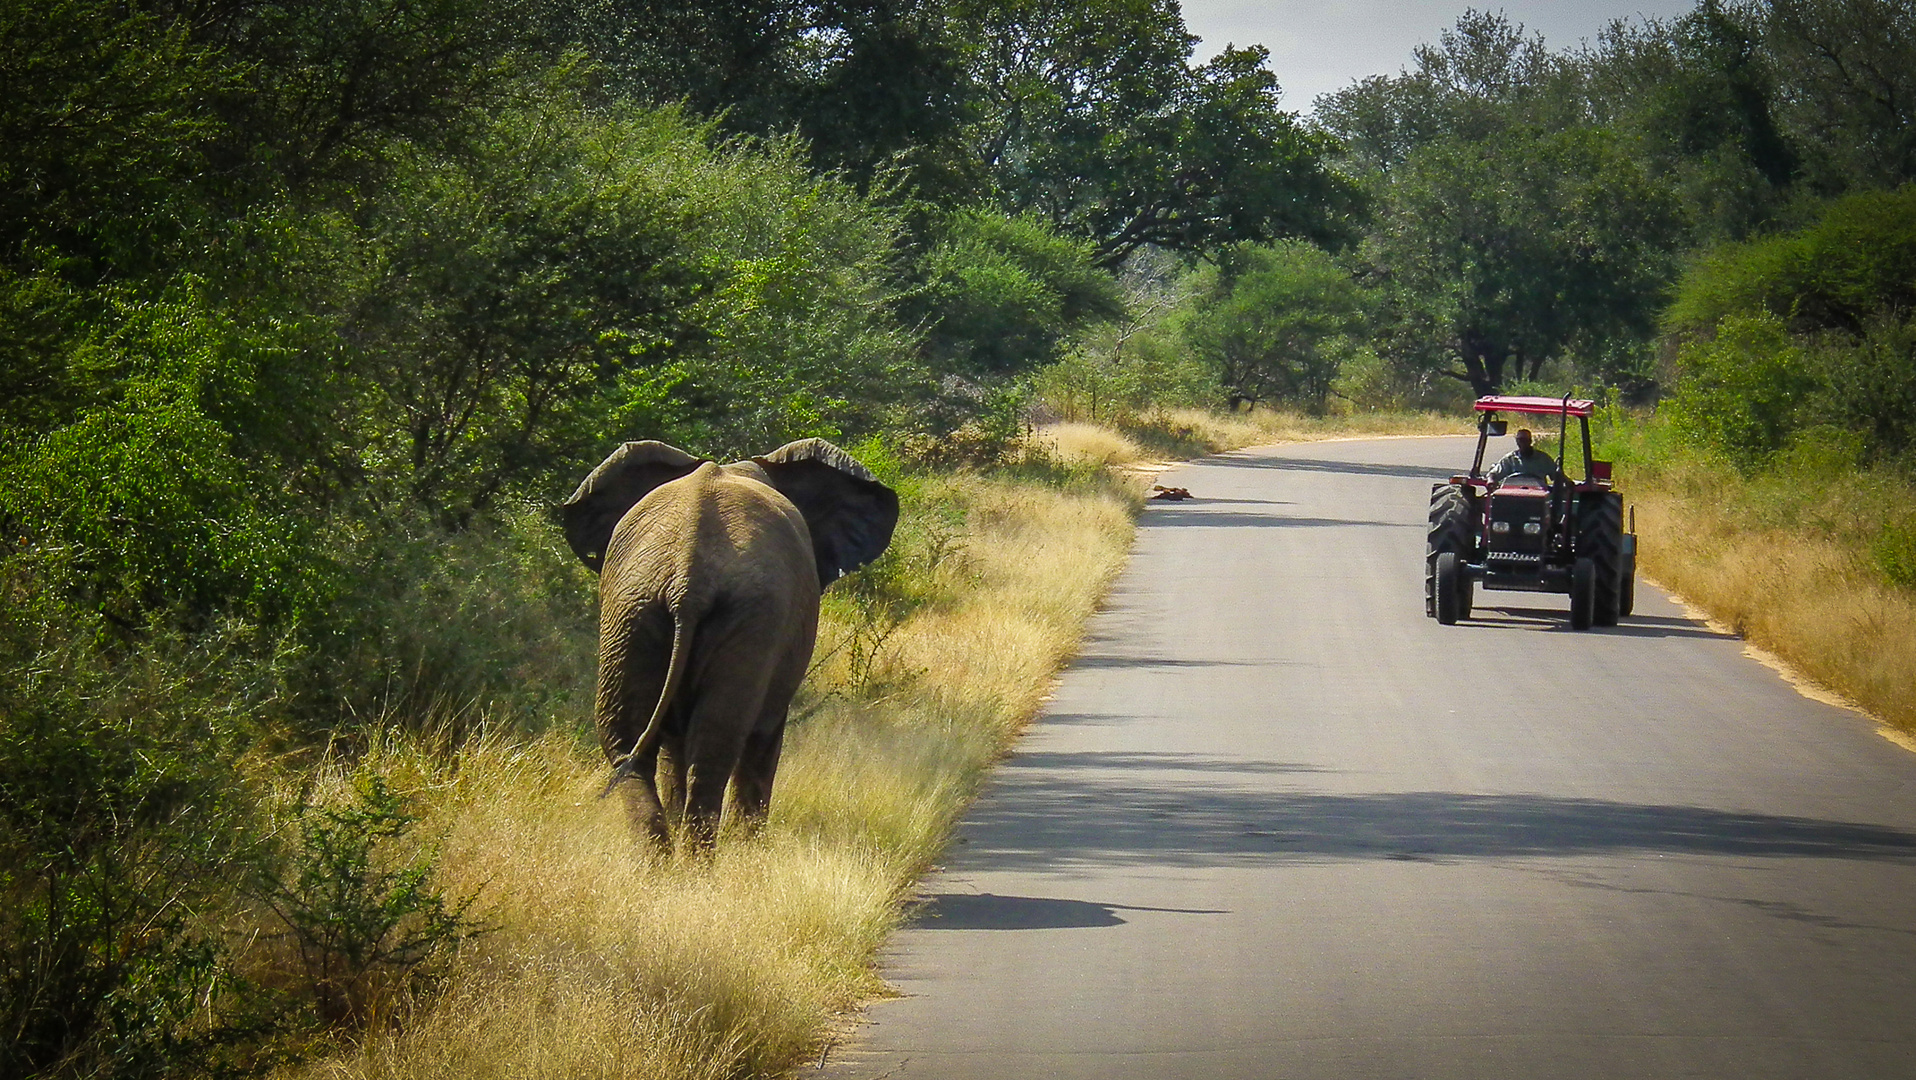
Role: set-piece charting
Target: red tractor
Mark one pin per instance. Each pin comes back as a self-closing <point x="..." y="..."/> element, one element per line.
<point x="1531" y="533"/>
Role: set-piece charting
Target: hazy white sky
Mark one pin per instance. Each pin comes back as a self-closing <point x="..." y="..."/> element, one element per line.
<point x="1320" y="46"/>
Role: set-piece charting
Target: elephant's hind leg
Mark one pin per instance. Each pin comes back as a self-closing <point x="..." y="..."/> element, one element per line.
<point x="717" y="737"/>
<point x="635" y="642"/>
<point x="671" y="777"/>
<point x="640" y="793"/>
<point x="752" y="783"/>
<point x="758" y="765"/>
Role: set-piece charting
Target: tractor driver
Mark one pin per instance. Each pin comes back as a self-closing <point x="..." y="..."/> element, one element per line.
<point x="1526" y="460"/>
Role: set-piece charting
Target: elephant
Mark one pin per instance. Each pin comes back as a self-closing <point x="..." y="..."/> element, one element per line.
<point x="709" y="584"/>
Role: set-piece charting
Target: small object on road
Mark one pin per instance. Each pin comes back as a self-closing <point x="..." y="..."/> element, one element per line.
<point x="1162" y="492"/>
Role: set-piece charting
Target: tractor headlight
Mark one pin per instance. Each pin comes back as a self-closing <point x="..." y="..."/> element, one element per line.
<point x="1532" y="528"/>
<point x="1500" y="526"/>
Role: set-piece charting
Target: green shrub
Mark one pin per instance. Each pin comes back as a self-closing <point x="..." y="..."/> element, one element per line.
<point x="369" y="935"/>
<point x="437" y="630"/>
<point x="1857" y="260"/>
<point x="123" y="828"/>
<point x="1274" y="322"/>
<point x="1894" y="552"/>
<point x="1869" y="383"/>
<point x="1003" y="294"/>
<point x="1741" y="391"/>
<point x="138" y="502"/>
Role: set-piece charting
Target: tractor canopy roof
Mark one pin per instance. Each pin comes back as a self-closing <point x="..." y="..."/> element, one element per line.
<point x="1543" y="406"/>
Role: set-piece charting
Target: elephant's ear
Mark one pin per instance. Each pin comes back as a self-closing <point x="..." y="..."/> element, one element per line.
<point x="849" y="512"/>
<point x="619" y="482"/>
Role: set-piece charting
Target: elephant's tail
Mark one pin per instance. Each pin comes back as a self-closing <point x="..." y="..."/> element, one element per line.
<point x="674" y="674"/>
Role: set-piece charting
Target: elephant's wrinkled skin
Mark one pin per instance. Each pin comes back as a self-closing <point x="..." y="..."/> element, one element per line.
<point x="708" y="609"/>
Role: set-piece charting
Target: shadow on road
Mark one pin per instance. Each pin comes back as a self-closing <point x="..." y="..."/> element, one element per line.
<point x="1108" y="759"/>
<point x="1498" y="616"/>
<point x="1209" y="500"/>
<point x="1168" y="662"/>
<point x="1042" y="813"/>
<point x="986" y="911"/>
<point x="1196" y="517"/>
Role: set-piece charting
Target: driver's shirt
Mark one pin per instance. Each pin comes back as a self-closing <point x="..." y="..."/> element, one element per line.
<point x="1517" y="463"/>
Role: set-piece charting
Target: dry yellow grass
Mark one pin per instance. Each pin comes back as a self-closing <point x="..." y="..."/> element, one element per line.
<point x="603" y="962"/>
<point x="1073" y="443"/>
<point x="1230" y="431"/>
<point x="1809" y="597"/>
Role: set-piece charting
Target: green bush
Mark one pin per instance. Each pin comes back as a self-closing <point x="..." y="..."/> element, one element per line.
<point x="1274" y="322"/>
<point x="123" y="827"/>
<point x="1856" y="260"/>
<point x="1742" y="390"/>
<point x="497" y="623"/>
<point x="138" y="503"/>
<point x="369" y="935"/>
<point x="1894" y="552"/>
<point x="142" y="508"/>
<point x="1869" y="383"/>
<point x="1004" y="293"/>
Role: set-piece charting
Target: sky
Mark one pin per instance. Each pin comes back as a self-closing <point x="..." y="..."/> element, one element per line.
<point x="1318" y="46"/>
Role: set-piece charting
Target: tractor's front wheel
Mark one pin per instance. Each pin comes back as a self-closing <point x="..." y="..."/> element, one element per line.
<point x="1583" y="593"/>
<point x="1450" y="583"/>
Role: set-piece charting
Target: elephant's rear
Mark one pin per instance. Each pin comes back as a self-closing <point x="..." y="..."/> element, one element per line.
<point x="709" y="592"/>
<point x="726" y="562"/>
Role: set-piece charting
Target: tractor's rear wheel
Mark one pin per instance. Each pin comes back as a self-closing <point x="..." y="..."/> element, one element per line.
<point x="1449" y="531"/>
<point x="1450" y="587"/>
<point x="1600" y="539"/>
<point x="1627" y="591"/>
<point x="1583" y="593"/>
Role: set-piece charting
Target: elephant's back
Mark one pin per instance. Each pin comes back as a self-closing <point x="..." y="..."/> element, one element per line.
<point x="710" y="534"/>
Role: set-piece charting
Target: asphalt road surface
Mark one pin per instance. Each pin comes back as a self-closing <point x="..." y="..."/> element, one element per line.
<point x="1278" y="823"/>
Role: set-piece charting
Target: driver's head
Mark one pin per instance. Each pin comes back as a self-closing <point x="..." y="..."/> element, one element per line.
<point x="1523" y="440"/>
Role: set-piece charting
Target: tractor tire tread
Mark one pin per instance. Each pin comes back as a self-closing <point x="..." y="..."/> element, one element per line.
<point x="1600" y="539"/>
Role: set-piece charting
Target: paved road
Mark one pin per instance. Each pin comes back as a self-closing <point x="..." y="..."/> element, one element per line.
<point x="1277" y="823"/>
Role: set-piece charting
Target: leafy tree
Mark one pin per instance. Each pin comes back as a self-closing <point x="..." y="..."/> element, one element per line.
<point x="1005" y="292"/>
<point x="329" y="86"/>
<point x="1092" y="118"/>
<point x="1495" y="262"/>
<point x="864" y="82"/>
<point x="1483" y="76"/>
<point x="109" y="118"/>
<point x="1701" y="96"/>
<point x="1850" y="70"/>
<point x="1273" y="322"/>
